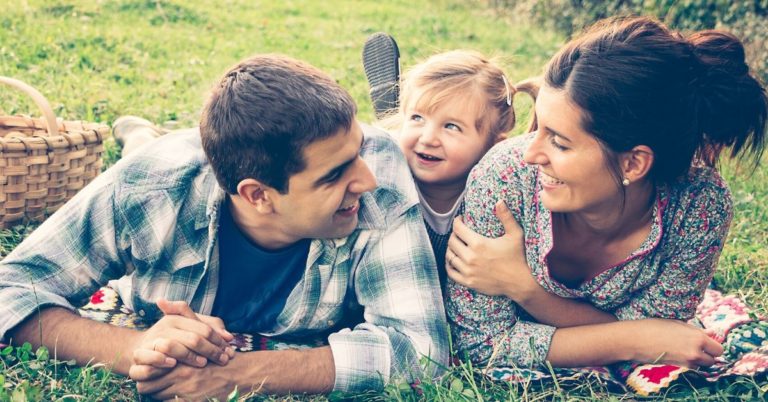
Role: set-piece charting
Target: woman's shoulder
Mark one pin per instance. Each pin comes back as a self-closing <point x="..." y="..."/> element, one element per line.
<point x="701" y="193"/>
<point x="702" y="182"/>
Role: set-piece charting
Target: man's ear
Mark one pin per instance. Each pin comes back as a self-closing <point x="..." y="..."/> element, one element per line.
<point x="636" y="163"/>
<point x="256" y="194"/>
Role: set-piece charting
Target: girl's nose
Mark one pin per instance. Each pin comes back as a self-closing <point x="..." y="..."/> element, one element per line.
<point x="429" y="136"/>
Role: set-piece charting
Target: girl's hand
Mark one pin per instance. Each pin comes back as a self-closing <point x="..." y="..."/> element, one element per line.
<point x="491" y="266"/>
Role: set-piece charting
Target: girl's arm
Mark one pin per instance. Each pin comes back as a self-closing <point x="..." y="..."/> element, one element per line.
<point x="497" y="267"/>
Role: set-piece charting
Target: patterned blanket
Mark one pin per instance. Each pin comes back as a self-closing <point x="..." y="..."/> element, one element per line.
<point x="725" y="318"/>
<point x="105" y="306"/>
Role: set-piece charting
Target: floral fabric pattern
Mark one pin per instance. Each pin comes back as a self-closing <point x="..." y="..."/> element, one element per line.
<point x="665" y="277"/>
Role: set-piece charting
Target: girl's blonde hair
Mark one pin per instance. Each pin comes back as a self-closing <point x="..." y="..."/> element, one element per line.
<point x="462" y="73"/>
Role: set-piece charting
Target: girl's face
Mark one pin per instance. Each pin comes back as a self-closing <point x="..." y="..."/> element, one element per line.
<point x="573" y="172"/>
<point x="443" y="144"/>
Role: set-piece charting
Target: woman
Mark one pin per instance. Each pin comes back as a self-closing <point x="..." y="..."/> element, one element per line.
<point x="622" y="212"/>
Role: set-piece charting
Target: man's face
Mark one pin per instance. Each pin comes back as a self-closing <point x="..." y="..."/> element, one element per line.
<point x="323" y="200"/>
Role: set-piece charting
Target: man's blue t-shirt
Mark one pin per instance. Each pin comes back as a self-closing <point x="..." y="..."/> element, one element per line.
<point x="254" y="283"/>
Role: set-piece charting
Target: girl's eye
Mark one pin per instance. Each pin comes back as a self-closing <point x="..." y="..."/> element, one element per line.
<point x="416" y="117"/>
<point x="452" y="126"/>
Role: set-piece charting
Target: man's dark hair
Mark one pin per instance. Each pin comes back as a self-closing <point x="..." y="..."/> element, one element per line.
<point x="262" y="115"/>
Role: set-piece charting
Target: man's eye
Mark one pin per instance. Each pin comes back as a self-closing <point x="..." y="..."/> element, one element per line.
<point x="333" y="177"/>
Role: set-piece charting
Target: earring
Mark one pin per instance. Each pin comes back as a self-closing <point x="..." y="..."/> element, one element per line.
<point x="625" y="182"/>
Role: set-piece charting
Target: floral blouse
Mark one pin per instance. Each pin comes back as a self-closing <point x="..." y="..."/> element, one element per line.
<point x="665" y="277"/>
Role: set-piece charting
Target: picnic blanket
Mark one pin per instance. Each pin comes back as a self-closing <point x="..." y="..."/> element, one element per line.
<point x="105" y="306"/>
<point x="727" y="319"/>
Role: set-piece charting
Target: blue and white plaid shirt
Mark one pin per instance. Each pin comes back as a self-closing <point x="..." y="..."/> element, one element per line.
<point x="149" y="224"/>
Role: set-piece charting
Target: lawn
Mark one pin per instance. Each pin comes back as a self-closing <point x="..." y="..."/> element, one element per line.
<point x="97" y="60"/>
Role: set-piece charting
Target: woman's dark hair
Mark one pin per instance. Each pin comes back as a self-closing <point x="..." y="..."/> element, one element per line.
<point x="639" y="83"/>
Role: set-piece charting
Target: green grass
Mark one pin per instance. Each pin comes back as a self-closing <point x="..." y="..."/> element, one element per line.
<point x="96" y="60"/>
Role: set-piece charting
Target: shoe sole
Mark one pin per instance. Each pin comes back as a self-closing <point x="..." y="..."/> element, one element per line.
<point x="381" y="62"/>
<point x="125" y="126"/>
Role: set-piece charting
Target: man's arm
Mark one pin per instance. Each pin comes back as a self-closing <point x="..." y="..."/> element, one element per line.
<point x="274" y="372"/>
<point x="70" y="336"/>
<point x="174" y="338"/>
<point x="405" y="335"/>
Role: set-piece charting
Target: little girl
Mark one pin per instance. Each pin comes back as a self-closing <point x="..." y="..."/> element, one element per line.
<point x="453" y="108"/>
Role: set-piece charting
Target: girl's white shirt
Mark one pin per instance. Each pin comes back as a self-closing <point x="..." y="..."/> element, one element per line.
<point x="440" y="223"/>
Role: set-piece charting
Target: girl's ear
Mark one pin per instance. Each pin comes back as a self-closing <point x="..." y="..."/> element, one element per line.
<point x="256" y="194"/>
<point x="636" y="163"/>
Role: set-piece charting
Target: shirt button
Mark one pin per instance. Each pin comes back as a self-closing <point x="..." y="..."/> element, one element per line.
<point x="330" y="323"/>
<point x="142" y="313"/>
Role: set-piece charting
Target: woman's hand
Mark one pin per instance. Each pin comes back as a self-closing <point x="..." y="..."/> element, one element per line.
<point x="650" y="340"/>
<point x="673" y="342"/>
<point x="491" y="266"/>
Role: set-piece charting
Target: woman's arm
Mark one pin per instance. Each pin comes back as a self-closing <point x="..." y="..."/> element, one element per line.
<point x="647" y="341"/>
<point x="497" y="267"/>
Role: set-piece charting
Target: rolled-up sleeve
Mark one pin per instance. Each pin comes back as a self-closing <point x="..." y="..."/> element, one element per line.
<point x="64" y="260"/>
<point x="405" y="335"/>
<point x="486" y="329"/>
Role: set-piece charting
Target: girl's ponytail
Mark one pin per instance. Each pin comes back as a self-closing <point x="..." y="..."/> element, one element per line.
<point x="531" y="87"/>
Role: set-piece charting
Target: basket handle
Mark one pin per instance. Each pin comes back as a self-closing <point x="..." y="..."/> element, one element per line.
<point x="42" y="103"/>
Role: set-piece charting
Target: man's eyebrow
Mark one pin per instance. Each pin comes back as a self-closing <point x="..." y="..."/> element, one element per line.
<point x="557" y="134"/>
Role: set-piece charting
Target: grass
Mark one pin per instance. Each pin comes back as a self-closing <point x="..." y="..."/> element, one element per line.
<point x="96" y="60"/>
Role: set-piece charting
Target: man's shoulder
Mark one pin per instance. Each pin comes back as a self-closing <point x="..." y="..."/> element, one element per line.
<point x="172" y="160"/>
<point x="395" y="192"/>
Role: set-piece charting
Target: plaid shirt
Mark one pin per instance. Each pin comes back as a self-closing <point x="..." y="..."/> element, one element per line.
<point x="149" y="224"/>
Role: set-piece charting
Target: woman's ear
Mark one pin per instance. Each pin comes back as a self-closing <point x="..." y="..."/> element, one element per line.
<point x="636" y="163"/>
<point x="256" y="194"/>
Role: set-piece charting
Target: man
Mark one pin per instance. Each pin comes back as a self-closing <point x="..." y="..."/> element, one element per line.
<point x="269" y="219"/>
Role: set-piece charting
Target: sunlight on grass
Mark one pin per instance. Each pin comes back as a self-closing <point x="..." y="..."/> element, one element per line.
<point x="97" y="60"/>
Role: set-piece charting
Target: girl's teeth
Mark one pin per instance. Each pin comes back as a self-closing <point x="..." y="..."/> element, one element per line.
<point x="428" y="157"/>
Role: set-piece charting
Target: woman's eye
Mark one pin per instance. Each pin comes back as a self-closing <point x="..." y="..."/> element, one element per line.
<point x="555" y="144"/>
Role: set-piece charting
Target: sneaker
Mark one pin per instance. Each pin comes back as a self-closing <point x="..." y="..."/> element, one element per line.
<point x="130" y="132"/>
<point x="381" y="62"/>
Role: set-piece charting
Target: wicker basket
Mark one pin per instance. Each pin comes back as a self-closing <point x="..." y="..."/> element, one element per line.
<point x="44" y="162"/>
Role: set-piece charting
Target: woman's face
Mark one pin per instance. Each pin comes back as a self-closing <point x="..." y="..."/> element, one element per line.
<point x="573" y="172"/>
